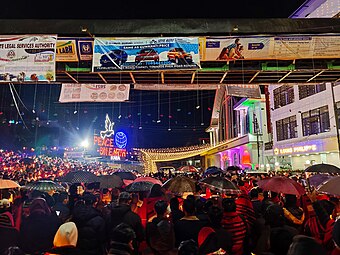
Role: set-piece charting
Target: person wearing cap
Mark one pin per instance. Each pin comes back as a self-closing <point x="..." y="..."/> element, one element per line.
<point x="122" y="213"/>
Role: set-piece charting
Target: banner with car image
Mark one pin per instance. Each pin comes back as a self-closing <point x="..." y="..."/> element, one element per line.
<point x="27" y="58"/>
<point x="75" y="92"/>
<point x="134" y="54"/>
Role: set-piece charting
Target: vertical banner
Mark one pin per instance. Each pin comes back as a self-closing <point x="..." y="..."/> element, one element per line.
<point x="27" y="57"/>
<point x="75" y="92"/>
<point x="111" y="54"/>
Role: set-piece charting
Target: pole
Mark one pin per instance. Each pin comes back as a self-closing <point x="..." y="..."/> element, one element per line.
<point x="256" y="129"/>
<point x="336" y="118"/>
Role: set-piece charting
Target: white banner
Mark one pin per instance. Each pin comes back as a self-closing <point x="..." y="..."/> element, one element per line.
<point x="27" y="57"/>
<point x="74" y="92"/>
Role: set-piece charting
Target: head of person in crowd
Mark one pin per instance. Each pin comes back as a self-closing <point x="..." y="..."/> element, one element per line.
<point x="254" y="193"/>
<point x="39" y="206"/>
<point x="124" y="198"/>
<point x="65" y="239"/>
<point x="189" y="207"/>
<point x="215" y="214"/>
<point x="174" y="204"/>
<point x="274" y="216"/>
<point x="161" y="207"/>
<point x="122" y="238"/>
<point x="290" y="200"/>
<point x="280" y="240"/>
<point x="188" y="247"/>
<point x="89" y="199"/>
<point x="229" y="204"/>
<point x="5" y="205"/>
<point x="305" y="245"/>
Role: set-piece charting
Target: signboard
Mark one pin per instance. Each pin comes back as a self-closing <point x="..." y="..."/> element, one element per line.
<point x="249" y="91"/>
<point x="299" y="148"/>
<point x="75" y="92"/>
<point x="111" y="54"/>
<point x="27" y="57"/>
<point x="74" y="49"/>
<point x="109" y="143"/>
<point x="270" y="47"/>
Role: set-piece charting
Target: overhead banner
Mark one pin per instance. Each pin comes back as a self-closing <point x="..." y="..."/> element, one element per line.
<point x="27" y="57"/>
<point x="111" y="54"/>
<point x="74" y="49"/>
<point x="249" y="91"/>
<point x="74" y="92"/>
<point x="270" y="47"/>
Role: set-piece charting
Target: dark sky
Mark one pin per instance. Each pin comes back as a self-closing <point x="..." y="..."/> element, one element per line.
<point x="125" y="9"/>
<point x="182" y="123"/>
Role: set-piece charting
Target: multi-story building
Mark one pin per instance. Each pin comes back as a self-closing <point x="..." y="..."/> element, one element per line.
<point x="305" y="123"/>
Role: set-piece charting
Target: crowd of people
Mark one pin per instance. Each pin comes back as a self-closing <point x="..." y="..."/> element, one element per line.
<point x="88" y="220"/>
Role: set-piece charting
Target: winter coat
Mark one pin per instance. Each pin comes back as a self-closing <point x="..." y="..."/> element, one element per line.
<point x="91" y="230"/>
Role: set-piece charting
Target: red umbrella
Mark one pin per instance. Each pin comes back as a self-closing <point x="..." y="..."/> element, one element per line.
<point x="282" y="184"/>
<point x="187" y="169"/>
<point x="148" y="179"/>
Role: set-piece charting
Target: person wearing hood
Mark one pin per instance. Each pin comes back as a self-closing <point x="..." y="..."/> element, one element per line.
<point x="38" y="229"/>
<point x="121" y="243"/>
<point x="122" y="213"/>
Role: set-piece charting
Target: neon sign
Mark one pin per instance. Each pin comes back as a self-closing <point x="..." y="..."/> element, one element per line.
<point x="109" y="146"/>
<point x="296" y="149"/>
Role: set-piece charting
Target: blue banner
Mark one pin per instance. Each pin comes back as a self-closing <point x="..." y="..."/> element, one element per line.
<point x="111" y="54"/>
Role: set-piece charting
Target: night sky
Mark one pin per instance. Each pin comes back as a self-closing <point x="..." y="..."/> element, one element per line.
<point x="151" y="119"/>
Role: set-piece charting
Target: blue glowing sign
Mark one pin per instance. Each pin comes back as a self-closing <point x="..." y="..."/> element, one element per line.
<point x="120" y="140"/>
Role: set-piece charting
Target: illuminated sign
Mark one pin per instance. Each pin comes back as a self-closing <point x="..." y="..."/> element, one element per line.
<point x="296" y="149"/>
<point x="109" y="146"/>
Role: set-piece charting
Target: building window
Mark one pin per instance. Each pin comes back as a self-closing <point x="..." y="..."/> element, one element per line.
<point x="286" y="128"/>
<point x="309" y="90"/>
<point x="283" y="95"/>
<point x="315" y="121"/>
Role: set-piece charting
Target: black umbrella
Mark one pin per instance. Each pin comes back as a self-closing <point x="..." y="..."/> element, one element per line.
<point x="220" y="183"/>
<point x="323" y="168"/>
<point x="317" y="179"/>
<point x="110" y="181"/>
<point x="125" y="175"/>
<point x="212" y="170"/>
<point x="44" y="186"/>
<point x="234" y="168"/>
<point x="80" y="176"/>
<point x="139" y="186"/>
<point x="180" y="184"/>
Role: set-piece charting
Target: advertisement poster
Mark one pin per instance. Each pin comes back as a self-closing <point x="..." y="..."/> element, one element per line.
<point x="75" y="92"/>
<point x="74" y="49"/>
<point x="136" y="54"/>
<point x="27" y="58"/>
<point x="270" y="47"/>
<point x="66" y="50"/>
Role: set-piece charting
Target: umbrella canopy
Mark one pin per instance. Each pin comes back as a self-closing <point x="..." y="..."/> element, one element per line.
<point x="221" y="184"/>
<point x="142" y="184"/>
<point x="332" y="186"/>
<point x="316" y="179"/>
<point x="110" y="181"/>
<point x="323" y="168"/>
<point x="148" y="179"/>
<point x="125" y="175"/>
<point x="180" y="184"/>
<point x="44" y="186"/>
<point x="212" y="170"/>
<point x="8" y="184"/>
<point x="187" y="169"/>
<point x="282" y="184"/>
<point x="80" y="176"/>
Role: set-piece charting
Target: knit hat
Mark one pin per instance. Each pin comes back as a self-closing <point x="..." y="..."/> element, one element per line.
<point x="6" y="219"/>
<point x="124" y="196"/>
<point x="67" y="235"/>
<point x="203" y="235"/>
<point x="5" y="203"/>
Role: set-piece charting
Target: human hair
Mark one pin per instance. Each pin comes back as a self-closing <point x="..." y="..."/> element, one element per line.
<point x="215" y="215"/>
<point x="123" y="233"/>
<point x="174" y="203"/>
<point x="189" y="206"/>
<point x="188" y="247"/>
<point x="161" y="207"/>
<point x="229" y="204"/>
